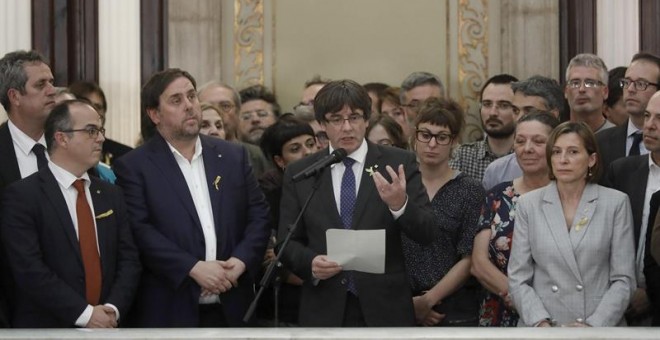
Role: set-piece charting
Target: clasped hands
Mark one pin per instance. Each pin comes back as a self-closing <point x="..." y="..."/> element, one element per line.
<point x="102" y="317"/>
<point x="216" y="277"/>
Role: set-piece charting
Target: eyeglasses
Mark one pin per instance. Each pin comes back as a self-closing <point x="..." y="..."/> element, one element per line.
<point x="92" y="131"/>
<point x="321" y="136"/>
<point x="588" y="83"/>
<point x="441" y="138"/>
<point x="248" y="115"/>
<point x="500" y="105"/>
<point x="339" y="120"/>
<point x="640" y="85"/>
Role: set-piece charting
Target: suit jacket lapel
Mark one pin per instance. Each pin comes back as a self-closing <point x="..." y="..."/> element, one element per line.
<point x="216" y="171"/>
<point x="164" y="160"/>
<point x="52" y="191"/>
<point x="101" y="207"/>
<point x="638" y="193"/>
<point x="584" y="214"/>
<point x="9" y="164"/>
<point x="367" y="187"/>
<point x="554" y="215"/>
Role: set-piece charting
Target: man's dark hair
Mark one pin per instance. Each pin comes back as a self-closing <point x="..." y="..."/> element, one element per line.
<point x="151" y="92"/>
<point x="336" y="94"/>
<point x="260" y="92"/>
<point x="59" y="119"/>
<point x="285" y="129"/>
<point x="544" y="87"/>
<point x="650" y="57"/>
<point x="499" y="79"/>
<point x="12" y="73"/>
<point x="83" y="89"/>
<point x="615" y="92"/>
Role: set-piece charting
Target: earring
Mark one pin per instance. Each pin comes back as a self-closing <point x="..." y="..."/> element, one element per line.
<point x="589" y="174"/>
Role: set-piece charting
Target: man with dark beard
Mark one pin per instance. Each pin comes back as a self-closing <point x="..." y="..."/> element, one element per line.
<point x="499" y="122"/>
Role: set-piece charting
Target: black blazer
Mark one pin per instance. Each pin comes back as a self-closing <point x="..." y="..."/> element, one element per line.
<point x="612" y="144"/>
<point x="629" y="175"/>
<point x="9" y="173"/>
<point x="44" y="252"/>
<point x="386" y="299"/>
<point x="651" y="267"/>
<point x="112" y="150"/>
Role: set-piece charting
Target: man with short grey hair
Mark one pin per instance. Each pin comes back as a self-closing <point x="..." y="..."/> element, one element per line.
<point x="28" y="95"/>
<point x="416" y="88"/>
<point x="586" y="90"/>
<point x="535" y="93"/>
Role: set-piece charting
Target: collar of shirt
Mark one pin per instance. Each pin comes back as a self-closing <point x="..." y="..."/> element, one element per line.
<point x="358" y="155"/>
<point x="483" y="149"/>
<point x="198" y="150"/>
<point x="631" y="129"/>
<point x="652" y="166"/>
<point x="64" y="177"/>
<point x="23" y="141"/>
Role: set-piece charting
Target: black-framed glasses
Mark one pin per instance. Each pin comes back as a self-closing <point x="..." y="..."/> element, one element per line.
<point x="588" y="83"/>
<point x="321" y="136"/>
<point x="640" y="85"/>
<point x="92" y="131"/>
<point x="441" y="138"/>
<point x="339" y="120"/>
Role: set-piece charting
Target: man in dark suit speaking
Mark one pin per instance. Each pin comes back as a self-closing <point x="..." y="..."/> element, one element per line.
<point x="375" y="187"/>
<point x="199" y="217"/>
<point x="67" y="235"/>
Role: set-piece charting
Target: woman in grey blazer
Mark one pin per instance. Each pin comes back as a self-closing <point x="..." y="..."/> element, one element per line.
<point x="572" y="258"/>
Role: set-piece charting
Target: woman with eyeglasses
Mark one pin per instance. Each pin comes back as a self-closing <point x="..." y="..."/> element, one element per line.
<point x="572" y="259"/>
<point x="384" y="130"/>
<point x="492" y="245"/>
<point x="440" y="272"/>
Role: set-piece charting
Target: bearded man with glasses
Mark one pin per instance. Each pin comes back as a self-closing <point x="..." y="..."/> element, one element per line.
<point x="499" y="122"/>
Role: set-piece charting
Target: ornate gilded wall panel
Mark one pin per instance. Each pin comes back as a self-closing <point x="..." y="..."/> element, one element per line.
<point x="248" y="42"/>
<point x="472" y="61"/>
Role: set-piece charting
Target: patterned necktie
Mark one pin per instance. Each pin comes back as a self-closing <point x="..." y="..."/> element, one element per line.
<point x="634" y="149"/>
<point x="346" y="207"/>
<point x="40" y="151"/>
<point x="88" y="250"/>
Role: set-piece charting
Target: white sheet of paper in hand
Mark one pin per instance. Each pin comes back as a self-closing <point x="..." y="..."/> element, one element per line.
<point x="360" y="250"/>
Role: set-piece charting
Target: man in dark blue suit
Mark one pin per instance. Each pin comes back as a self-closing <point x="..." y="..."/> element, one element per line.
<point x="67" y="234"/>
<point x="199" y="217"/>
<point x="375" y="187"/>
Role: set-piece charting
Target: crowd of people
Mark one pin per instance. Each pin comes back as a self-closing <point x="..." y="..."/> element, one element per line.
<point x="548" y="220"/>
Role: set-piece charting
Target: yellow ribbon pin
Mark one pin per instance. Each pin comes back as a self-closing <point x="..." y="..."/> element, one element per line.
<point x="105" y="214"/>
<point x="216" y="182"/>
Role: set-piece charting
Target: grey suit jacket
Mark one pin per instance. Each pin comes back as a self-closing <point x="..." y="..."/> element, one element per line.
<point x="586" y="274"/>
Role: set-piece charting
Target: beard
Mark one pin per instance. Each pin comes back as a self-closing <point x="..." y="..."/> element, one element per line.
<point x="505" y="131"/>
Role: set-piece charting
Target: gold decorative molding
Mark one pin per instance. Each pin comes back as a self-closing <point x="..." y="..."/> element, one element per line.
<point x="472" y="61"/>
<point x="248" y="42"/>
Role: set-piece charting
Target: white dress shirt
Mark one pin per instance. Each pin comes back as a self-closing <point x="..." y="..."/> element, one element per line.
<point x="65" y="181"/>
<point x="629" y="139"/>
<point x="337" y="172"/>
<point x="195" y="175"/>
<point x="23" y="144"/>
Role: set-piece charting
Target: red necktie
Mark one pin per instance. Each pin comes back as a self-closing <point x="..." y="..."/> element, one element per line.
<point x="88" y="250"/>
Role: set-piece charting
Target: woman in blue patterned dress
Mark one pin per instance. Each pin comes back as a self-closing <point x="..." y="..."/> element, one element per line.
<point x="492" y="245"/>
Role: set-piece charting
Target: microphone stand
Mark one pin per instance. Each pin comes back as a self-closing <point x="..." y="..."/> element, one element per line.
<point x="268" y="275"/>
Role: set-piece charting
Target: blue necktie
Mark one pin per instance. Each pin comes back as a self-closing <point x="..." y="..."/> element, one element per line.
<point x="637" y="139"/>
<point x="346" y="207"/>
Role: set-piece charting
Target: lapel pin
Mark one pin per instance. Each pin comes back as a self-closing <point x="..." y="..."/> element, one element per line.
<point x="216" y="182"/>
<point x="98" y="191"/>
<point x="219" y="156"/>
<point x="371" y="170"/>
<point x="581" y="223"/>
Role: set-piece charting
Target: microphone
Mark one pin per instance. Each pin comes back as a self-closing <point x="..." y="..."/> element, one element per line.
<point x="335" y="157"/>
